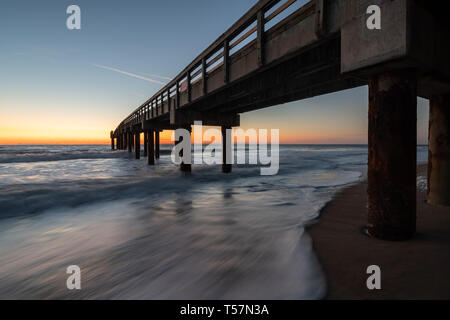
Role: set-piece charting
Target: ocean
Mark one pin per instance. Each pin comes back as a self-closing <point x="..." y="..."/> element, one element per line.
<point x="154" y="232"/>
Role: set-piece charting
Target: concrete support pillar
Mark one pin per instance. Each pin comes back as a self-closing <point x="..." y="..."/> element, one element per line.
<point x="145" y="143"/>
<point x="157" y="144"/>
<point x="226" y="150"/>
<point x="137" y="145"/>
<point x="185" y="167"/>
<point x="150" y="147"/>
<point x="392" y="155"/>
<point x="439" y="151"/>
<point x="130" y="141"/>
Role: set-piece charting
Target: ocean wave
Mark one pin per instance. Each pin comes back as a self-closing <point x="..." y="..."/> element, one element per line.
<point x="38" y="156"/>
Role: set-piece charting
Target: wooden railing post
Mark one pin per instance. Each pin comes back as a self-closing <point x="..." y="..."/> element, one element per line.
<point x="188" y="79"/>
<point x="260" y="37"/>
<point x="168" y="100"/>
<point x="320" y="13"/>
<point x="226" y="61"/>
<point x="204" y="75"/>
<point x="178" y="94"/>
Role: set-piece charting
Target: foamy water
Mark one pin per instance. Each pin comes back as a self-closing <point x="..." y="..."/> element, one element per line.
<point x="144" y="232"/>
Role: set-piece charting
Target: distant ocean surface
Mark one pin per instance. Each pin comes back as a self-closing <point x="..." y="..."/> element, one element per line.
<point x="153" y="232"/>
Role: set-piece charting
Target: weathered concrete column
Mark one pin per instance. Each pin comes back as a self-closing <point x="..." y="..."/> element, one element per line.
<point x="392" y="155"/>
<point x="439" y="151"/>
<point x="157" y="144"/>
<point x="150" y="147"/>
<point x="226" y="150"/>
<point x="145" y="143"/>
<point x="137" y="145"/>
<point x="130" y="141"/>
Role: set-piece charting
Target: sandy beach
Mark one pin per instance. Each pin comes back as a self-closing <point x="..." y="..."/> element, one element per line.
<point x="414" y="269"/>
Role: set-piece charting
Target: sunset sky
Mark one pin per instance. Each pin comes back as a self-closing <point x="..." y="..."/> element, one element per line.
<point x="74" y="86"/>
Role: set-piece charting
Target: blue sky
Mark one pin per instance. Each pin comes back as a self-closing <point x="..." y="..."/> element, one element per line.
<point x="52" y="82"/>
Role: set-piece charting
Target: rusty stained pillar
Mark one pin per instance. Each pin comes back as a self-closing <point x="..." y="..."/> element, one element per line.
<point x="157" y="144"/>
<point x="392" y="155"/>
<point x="151" y="147"/>
<point x="130" y="141"/>
<point x="226" y="150"/>
<point x="145" y="143"/>
<point x="439" y="151"/>
<point x="137" y="145"/>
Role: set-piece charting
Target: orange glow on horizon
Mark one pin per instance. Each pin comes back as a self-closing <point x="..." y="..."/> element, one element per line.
<point x="166" y="138"/>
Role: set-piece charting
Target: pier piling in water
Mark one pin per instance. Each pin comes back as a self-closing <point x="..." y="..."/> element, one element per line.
<point x="439" y="151"/>
<point x="145" y="143"/>
<point x="157" y="144"/>
<point x="185" y="167"/>
<point x="112" y="139"/>
<point x="226" y="150"/>
<point x="137" y="145"/>
<point x="150" y="147"/>
<point x="392" y="155"/>
<point x="130" y="141"/>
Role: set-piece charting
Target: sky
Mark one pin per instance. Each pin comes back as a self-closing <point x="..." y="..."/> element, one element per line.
<point x="75" y="86"/>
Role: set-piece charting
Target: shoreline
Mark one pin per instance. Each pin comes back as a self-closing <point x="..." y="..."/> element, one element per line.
<point x="413" y="269"/>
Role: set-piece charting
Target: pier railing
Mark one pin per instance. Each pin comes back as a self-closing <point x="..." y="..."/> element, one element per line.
<point x="249" y="29"/>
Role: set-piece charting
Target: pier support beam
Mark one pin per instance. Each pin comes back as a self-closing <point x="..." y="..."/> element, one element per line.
<point x="150" y="148"/>
<point x="226" y="150"/>
<point x="392" y="155"/>
<point x="439" y="151"/>
<point x="112" y="143"/>
<point x="157" y="144"/>
<point x="185" y="167"/>
<point x="137" y="146"/>
<point x="145" y="143"/>
<point x="130" y="141"/>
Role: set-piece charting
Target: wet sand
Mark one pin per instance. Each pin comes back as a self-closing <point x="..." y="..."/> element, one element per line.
<point x="414" y="269"/>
